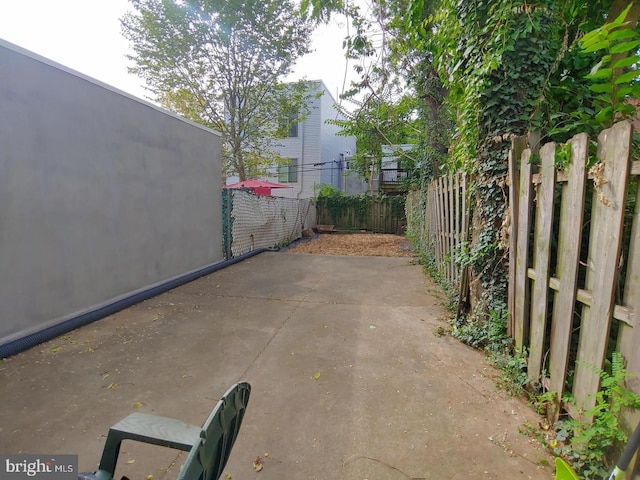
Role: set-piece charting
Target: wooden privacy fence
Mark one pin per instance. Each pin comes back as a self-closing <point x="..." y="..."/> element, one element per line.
<point x="440" y="219"/>
<point x="574" y="286"/>
<point x="379" y="215"/>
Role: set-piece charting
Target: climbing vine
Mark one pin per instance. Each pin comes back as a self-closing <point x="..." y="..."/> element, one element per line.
<point x="495" y="58"/>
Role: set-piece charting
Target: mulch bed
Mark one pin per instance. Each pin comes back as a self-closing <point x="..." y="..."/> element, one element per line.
<point x="365" y="244"/>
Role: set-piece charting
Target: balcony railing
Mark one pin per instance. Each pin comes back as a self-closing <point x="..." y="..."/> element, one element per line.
<point x="392" y="177"/>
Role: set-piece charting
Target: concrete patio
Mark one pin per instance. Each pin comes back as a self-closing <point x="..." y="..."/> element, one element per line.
<point x="349" y="379"/>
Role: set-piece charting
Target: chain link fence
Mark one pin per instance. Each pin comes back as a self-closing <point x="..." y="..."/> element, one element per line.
<point x="260" y="221"/>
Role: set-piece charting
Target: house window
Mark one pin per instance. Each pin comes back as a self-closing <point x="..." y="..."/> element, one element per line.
<point x="288" y="172"/>
<point x="289" y="124"/>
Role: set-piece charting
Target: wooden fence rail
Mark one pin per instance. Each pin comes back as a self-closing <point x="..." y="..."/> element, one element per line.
<point x="567" y="272"/>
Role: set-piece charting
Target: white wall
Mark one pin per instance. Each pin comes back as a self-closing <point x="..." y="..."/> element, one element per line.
<point x="317" y="149"/>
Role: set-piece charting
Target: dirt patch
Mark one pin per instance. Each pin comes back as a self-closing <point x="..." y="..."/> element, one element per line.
<point x="365" y="244"/>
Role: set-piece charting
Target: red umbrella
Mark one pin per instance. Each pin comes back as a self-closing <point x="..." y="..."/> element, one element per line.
<point x="259" y="187"/>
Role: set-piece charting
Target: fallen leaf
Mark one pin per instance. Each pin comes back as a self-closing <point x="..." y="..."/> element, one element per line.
<point x="112" y="386"/>
<point x="316" y="376"/>
<point x="149" y="477"/>
<point x="266" y="454"/>
<point x="372" y="327"/>
<point x="257" y="464"/>
<point x="138" y="404"/>
<point x="227" y="476"/>
<point x="129" y="462"/>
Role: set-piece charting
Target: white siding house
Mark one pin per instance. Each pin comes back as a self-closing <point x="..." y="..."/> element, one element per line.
<point x="316" y="151"/>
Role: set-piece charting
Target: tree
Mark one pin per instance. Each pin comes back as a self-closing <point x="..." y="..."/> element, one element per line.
<point x="483" y="72"/>
<point x="220" y="64"/>
<point x="376" y="122"/>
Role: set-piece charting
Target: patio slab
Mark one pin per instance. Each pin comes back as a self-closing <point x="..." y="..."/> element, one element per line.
<point x="349" y="379"/>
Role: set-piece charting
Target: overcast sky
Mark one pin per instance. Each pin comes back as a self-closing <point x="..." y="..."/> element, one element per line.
<point x="85" y="35"/>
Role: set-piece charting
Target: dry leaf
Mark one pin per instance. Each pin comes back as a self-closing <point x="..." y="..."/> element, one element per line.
<point x="266" y="454"/>
<point x="316" y="376"/>
<point x="129" y="462"/>
<point x="257" y="464"/>
<point x="227" y="476"/>
<point x="138" y="404"/>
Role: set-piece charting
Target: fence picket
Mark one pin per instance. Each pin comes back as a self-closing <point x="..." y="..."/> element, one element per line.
<point x="450" y="219"/>
<point x="457" y="229"/>
<point x="614" y="146"/>
<point x="628" y="336"/>
<point x="517" y="147"/>
<point x="571" y="214"/>
<point x="542" y="241"/>
<point x="441" y="230"/>
<point x="521" y="304"/>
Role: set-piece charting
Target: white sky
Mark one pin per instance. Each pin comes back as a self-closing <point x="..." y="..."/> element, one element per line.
<point x="85" y="35"/>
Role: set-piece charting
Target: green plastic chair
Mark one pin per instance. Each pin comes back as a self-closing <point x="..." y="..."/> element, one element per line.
<point x="209" y="446"/>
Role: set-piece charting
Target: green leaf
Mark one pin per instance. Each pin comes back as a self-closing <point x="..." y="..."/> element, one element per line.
<point x="622" y="34"/>
<point x="596" y="67"/>
<point x="603" y="44"/>
<point x="625" y="46"/>
<point x="604" y="115"/>
<point x="603" y="99"/>
<point x="601" y="88"/>
<point x="602" y="73"/>
<point x="627" y="62"/>
<point x="592" y="37"/>
<point x="628" y="91"/>
<point x="316" y="376"/>
<point x="627" y="77"/>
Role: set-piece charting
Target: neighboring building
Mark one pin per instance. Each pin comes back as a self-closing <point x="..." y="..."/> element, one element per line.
<point x="316" y="152"/>
<point x="392" y="168"/>
<point x="352" y="182"/>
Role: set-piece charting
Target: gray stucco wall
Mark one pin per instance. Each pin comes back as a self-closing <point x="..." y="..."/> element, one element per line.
<point x="101" y="194"/>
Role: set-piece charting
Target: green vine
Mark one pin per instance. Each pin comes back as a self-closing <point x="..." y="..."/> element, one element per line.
<point x="336" y="203"/>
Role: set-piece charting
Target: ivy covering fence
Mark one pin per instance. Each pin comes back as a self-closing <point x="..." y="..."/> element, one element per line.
<point x="362" y="212"/>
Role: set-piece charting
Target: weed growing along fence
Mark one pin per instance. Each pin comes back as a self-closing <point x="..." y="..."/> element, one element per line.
<point x="260" y="221"/>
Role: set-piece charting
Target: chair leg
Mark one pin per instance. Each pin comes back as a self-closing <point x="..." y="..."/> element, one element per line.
<point x="110" y="453"/>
